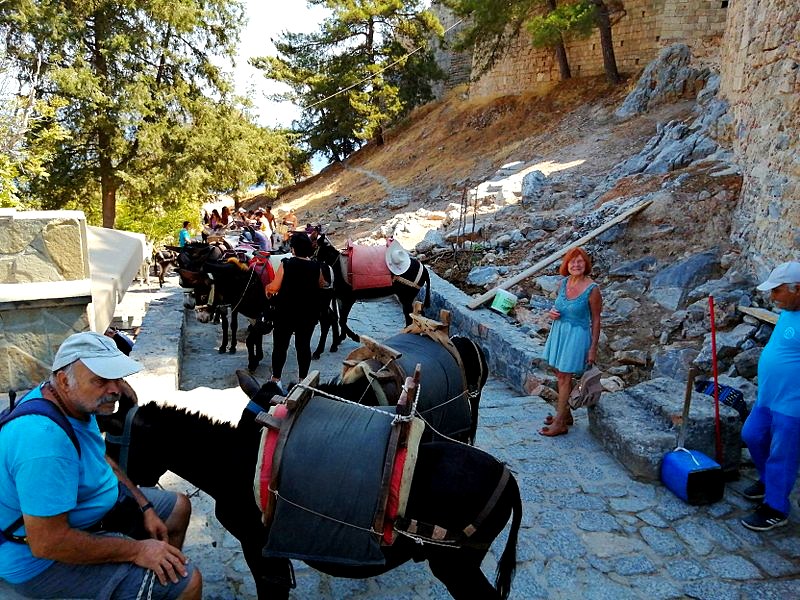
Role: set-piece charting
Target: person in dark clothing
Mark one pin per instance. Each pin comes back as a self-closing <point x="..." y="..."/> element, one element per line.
<point x="296" y="288"/>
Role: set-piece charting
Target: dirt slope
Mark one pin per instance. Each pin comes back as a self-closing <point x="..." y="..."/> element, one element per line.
<point x="570" y="135"/>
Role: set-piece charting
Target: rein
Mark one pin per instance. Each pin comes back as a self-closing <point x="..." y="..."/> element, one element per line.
<point x="124" y="440"/>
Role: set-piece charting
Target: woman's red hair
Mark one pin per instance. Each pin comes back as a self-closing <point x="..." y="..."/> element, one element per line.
<point x="564" y="268"/>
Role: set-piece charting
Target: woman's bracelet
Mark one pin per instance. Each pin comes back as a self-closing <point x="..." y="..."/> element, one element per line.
<point x="146" y="507"/>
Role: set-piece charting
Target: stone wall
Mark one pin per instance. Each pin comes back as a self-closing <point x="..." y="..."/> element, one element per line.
<point x="456" y="65"/>
<point x="760" y="71"/>
<point x="646" y="27"/>
<point x="45" y="288"/>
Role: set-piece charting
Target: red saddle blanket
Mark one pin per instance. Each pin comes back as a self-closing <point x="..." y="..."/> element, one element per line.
<point x="319" y="481"/>
<point x="368" y="267"/>
<point x="262" y="267"/>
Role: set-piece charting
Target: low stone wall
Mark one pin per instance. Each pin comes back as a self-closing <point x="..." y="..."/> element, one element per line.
<point x="45" y="289"/>
<point x="159" y="347"/>
<point x="511" y="354"/>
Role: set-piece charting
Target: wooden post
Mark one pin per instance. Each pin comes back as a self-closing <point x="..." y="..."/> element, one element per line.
<point x="555" y="256"/>
<point x="759" y="313"/>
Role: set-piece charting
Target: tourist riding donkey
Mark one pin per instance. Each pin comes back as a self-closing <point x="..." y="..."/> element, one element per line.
<point x="367" y="272"/>
<point x="458" y="501"/>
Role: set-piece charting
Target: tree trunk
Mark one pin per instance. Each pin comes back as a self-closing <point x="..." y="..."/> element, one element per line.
<point x="108" y="181"/>
<point x="606" y="42"/>
<point x="560" y="51"/>
<point x="108" y="190"/>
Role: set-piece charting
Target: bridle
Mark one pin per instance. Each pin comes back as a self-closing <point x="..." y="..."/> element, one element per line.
<point x="124" y="440"/>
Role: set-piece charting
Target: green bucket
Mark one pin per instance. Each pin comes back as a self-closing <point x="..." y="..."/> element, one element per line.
<point x="503" y="302"/>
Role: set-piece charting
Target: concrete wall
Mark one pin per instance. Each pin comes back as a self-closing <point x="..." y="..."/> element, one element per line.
<point x="760" y="71"/>
<point x="45" y="288"/>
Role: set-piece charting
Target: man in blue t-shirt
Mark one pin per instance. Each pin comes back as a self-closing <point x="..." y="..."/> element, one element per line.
<point x="66" y="496"/>
<point x="184" y="236"/>
<point x="772" y="430"/>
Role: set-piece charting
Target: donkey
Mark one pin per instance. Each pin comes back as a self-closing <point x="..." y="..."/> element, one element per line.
<point x="403" y="286"/>
<point x="455" y="487"/>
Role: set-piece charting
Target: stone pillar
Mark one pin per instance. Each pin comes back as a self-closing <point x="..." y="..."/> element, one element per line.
<point x="45" y="288"/>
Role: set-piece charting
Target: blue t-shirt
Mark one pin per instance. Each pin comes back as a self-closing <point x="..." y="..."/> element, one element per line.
<point x="41" y="475"/>
<point x="183" y="237"/>
<point x="779" y="365"/>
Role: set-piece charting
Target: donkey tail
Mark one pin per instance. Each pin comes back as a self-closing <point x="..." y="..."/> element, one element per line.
<point x="507" y="565"/>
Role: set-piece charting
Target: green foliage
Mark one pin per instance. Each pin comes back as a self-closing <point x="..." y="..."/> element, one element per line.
<point x="491" y="26"/>
<point x="575" y="19"/>
<point x="357" y="74"/>
<point x="133" y="106"/>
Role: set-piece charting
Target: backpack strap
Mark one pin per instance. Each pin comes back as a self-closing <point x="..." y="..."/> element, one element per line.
<point x="45" y="408"/>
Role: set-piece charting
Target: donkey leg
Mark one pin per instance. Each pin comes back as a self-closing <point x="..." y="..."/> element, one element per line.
<point x="234" y="331"/>
<point x="324" y="328"/>
<point x="462" y="575"/>
<point x="254" y="347"/>
<point x="345" y="331"/>
<point x="224" y="345"/>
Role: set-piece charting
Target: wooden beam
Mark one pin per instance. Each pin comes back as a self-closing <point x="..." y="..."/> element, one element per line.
<point x="759" y="313"/>
<point x="556" y="255"/>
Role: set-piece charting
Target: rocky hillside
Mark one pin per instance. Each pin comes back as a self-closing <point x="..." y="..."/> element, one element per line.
<point x="481" y="190"/>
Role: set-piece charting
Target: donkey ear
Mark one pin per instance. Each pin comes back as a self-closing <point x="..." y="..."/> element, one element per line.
<point x="247" y="383"/>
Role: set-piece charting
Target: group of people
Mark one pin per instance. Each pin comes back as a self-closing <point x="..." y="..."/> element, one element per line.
<point x="73" y="525"/>
<point x="259" y="226"/>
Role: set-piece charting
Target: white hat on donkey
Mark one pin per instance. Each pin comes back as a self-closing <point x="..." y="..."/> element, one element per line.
<point x="397" y="258"/>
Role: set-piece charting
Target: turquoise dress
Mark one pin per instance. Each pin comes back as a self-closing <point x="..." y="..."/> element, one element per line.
<point x="568" y="344"/>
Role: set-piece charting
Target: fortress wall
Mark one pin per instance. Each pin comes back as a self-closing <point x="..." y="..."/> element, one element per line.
<point x="646" y="27"/>
<point x="760" y="71"/>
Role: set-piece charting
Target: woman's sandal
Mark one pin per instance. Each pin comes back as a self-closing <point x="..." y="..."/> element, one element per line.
<point x="550" y="432"/>
<point x="548" y="420"/>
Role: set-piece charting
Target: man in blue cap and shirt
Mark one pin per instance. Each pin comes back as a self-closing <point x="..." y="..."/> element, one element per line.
<point x="59" y="493"/>
<point x="772" y="430"/>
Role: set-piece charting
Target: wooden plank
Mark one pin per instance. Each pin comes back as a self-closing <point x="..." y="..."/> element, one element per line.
<point x="759" y="313"/>
<point x="556" y="255"/>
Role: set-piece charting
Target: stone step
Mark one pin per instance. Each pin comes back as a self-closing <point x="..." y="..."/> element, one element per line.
<point x="639" y="425"/>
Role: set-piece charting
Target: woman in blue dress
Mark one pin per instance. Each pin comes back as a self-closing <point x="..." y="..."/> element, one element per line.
<point x="572" y="343"/>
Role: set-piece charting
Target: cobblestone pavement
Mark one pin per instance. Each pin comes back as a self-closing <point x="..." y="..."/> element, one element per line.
<point x="589" y="530"/>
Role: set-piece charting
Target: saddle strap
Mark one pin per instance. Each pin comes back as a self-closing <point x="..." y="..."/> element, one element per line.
<point x="440" y="535"/>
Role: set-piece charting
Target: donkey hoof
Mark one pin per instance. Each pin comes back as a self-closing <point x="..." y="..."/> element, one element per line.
<point x="232" y="350"/>
<point x="315" y="356"/>
<point x="221" y="350"/>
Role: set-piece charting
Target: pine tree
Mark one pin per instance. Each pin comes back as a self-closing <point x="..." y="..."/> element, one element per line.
<point x="369" y="64"/>
<point x="138" y="109"/>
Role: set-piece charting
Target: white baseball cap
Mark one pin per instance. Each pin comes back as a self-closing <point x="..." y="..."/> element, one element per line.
<point x="98" y="353"/>
<point x="788" y="272"/>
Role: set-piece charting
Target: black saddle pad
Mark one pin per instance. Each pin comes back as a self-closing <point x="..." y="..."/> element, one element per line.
<point x="443" y="403"/>
<point x="330" y="479"/>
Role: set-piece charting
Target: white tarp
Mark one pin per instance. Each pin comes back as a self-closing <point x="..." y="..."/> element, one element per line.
<point x="115" y="257"/>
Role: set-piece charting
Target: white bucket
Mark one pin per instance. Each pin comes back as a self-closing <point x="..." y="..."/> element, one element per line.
<point x="503" y="302"/>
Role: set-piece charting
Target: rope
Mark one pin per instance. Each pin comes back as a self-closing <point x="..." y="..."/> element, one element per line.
<point x="277" y="494"/>
<point x="246" y="287"/>
<point x="149" y="578"/>
<point x="423" y="540"/>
